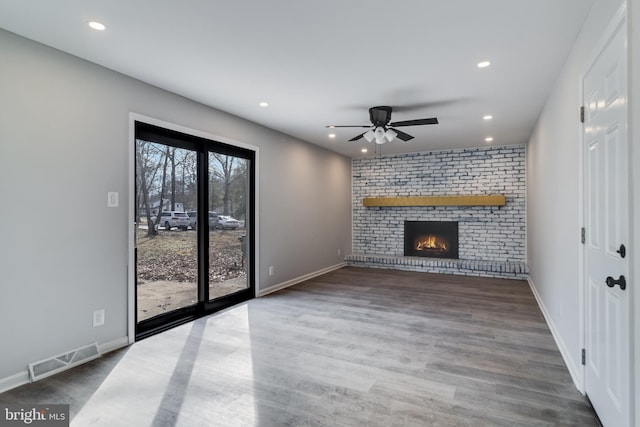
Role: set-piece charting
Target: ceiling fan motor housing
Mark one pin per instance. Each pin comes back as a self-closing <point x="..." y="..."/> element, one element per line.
<point x="380" y="116"/>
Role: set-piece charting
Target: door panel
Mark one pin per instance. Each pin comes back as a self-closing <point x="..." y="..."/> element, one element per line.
<point x="593" y="218"/>
<point x="167" y="256"/>
<point x="613" y="184"/>
<point x="228" y="207"/>
<point x="614" y="345"/>
<point x="607" y="323"/>
<point x="594" y="321"/>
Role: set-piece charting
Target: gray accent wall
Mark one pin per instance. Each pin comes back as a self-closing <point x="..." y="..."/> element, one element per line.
<point x="64" y="143"/>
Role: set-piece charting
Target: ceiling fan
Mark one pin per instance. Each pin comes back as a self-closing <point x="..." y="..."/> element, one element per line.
<point x="382" y="129"/>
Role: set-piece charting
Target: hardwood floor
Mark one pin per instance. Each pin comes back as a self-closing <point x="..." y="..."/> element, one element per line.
<point x="355" y="347"/>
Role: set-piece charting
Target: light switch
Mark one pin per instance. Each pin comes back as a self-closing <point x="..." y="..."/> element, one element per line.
<point x="112" y="199"/>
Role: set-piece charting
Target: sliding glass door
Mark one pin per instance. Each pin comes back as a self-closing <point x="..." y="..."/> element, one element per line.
<point x="228" y="198"/>
<point x="167" y="250"/>
<point x="194" y="227"/>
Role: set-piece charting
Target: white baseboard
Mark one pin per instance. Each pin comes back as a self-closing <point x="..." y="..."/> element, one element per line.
<point x="574" y="371"/>
<point x="22" y="378"/>
<point x="300" y="279"/>
<point x="16" y="380"/>
<point x="113" y="345"/>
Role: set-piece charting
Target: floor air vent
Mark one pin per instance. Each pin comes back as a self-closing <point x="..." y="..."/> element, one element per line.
<point x="62" y="362"/>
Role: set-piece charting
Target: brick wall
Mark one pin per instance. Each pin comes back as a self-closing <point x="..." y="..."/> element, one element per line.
<point x="486" y="233"/>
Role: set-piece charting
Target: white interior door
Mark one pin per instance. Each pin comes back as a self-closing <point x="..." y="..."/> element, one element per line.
<point x="607" y="328"/>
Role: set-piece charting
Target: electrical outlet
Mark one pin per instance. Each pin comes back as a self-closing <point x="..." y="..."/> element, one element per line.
<point x="271" y="270"/>
<point x="98" y="318"/>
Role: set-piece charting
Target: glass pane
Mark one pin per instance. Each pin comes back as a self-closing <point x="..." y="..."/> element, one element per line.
<point x="167" y="257"/>
<point x="227" y="202"/>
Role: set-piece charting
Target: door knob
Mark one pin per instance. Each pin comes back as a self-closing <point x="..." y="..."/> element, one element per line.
<point x="622" y="251"/>
<point x="611" y="282"/>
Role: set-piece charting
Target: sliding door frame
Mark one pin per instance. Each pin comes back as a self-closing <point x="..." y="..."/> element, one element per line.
<point x="252" y="217"/>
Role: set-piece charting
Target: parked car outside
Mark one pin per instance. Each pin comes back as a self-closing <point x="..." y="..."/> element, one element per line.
<point x="227" y="222"/>
<point x="213" y="220"/>
<point x="170" y="219"/>
<point x="193" y="219"/>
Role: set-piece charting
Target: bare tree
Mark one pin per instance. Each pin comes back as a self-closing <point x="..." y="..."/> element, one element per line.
<point x="238" y="190"/>
<point x="172" y="156"/>
<point x="223" y="169"/>
<point x="163" y="186"/>
<point x="188" y="184"/>
<point x="147" y="169"/>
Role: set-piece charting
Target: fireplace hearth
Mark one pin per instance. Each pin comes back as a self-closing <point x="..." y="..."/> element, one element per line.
<point x="431" y="239"/>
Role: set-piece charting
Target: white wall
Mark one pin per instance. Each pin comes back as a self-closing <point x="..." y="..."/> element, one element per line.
<point x="553" y="194"/>
<point x="64" y="142"/>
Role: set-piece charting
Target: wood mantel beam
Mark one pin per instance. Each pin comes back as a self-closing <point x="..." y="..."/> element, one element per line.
<point x="477" y="200"/>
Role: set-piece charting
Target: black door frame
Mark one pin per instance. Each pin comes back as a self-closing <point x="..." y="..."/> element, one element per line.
<point x="202" y="146"/>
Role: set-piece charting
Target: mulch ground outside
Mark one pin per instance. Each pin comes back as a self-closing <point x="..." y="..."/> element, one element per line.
<point x="167" y="268"/>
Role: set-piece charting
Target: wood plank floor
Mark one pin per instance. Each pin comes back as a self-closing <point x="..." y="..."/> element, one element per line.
<point x="355" y="347"/>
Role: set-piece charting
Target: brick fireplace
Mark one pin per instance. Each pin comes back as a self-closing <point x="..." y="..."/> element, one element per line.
<point x="491" y="238"/>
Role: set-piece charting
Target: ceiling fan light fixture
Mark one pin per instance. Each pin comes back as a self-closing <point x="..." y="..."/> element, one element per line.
<point x="369" y="135"/>
<point x="390" y="134"/>
<point x="379" y="134"/>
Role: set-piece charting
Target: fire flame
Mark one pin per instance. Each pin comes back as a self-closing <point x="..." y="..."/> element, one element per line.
<point x="431" y="242"/>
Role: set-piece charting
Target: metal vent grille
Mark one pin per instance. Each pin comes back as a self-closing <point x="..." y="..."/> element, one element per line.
<point x="62" y="362"/>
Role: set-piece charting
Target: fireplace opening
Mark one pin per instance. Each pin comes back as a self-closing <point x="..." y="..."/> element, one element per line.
<point x="432" y="239"/>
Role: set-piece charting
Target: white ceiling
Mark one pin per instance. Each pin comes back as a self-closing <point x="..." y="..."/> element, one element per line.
<point x="327" y="61"/>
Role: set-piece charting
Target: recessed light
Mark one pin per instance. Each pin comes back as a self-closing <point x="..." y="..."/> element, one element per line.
<point x="332" y="135"/>
<point x="364" y="150"/>
<point x="489" y="139"/>
<point x="484" y="64"/>
<point x="264" y="104"/>
<point x="488" y="117"/>
<point x="98" y="26"/>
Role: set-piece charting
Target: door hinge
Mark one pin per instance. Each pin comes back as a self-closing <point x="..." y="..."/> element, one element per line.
<point x="583" y="235"/>
<point x="582" y="114"/>
<point x="584" y="357"/>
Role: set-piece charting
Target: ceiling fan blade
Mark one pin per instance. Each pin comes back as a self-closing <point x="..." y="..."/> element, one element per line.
<point x="348" y="126"/>
<point x="355" y="138"/>
<point x="402" y="135"/>
<point x="417" y="122"/>
<point x="406" y="108"/>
